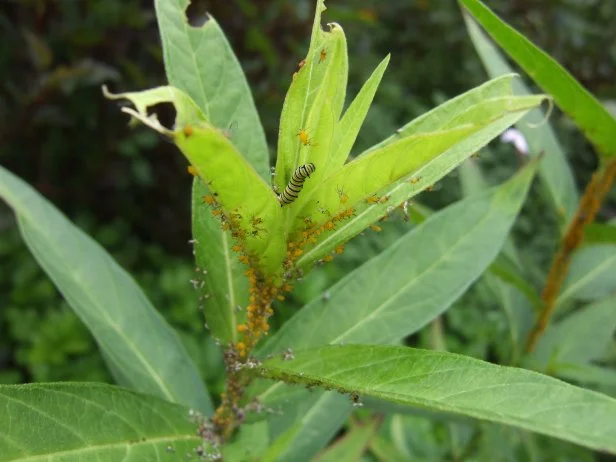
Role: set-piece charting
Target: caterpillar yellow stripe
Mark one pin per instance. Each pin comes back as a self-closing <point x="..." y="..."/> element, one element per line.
<point x="296" y="183"/>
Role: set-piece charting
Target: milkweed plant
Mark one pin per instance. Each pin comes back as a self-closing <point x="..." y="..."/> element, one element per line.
<point x="341" y="360"/>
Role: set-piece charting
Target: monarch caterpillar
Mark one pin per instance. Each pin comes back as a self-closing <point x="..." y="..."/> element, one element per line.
<point x="296" y="183"/>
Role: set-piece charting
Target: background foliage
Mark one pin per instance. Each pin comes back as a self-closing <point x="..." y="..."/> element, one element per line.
<point x="127" y="190"/>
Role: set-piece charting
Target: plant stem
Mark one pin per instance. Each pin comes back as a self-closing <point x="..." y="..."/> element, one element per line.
<point x="590" y="203"/>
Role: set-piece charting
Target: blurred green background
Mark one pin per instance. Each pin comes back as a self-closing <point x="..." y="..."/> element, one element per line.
<point x="131" y="192"/>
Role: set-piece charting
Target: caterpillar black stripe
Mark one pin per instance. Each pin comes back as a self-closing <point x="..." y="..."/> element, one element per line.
<point x="296" y="183"/>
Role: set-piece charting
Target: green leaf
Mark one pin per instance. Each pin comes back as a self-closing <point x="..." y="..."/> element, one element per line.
<point x="352" y="445"/>
<point x="510" y="290"/>
<point x="200" y="62"/>
<point x="301" y="431"/>
<point x="589" y="374"/>
<point x="457" y="384"/>
<point x="348" y="128"/>
<point x="519" y="313"/>
<point x="403" y="299"/>
<point x="225" y="288"/>
<point x="591" y="275"/>
<point x="598" y="233"/>
<point x="587" y="112"/>
<point x="138" y="344"/>
<point x="321" y="79"/>
<point x="510" y="275"/>
<point x="554" y="170"/>
<point x="77" y="422"/>
<point x="410" y="184"/>
<point x="581" y="337"/>
<point x="251" y="441"/>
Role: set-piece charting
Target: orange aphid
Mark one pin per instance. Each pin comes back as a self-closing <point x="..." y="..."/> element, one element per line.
<point x="188" y="131"/>
<point x="329" y="225"/>
<point x="209" y="199"/>
<point x="376" y="228"/>
<point x="304" y="138"/>
<point x="217" y="212"/>
<point x="244" y="259"/>
<point x="322" y="55"/>
<point x="192" y="170"/>
<point x="236" y="248"/>
<point x="280" y="297"/>
<point x="328" y="258"/>
<point x="373" y="200"/>
<point x="339" y="249"/>
<point x="242" y="328"/>
<point x="343" y="196"/>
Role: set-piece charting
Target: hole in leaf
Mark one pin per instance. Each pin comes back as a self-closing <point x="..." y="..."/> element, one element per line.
<point x="196" y="13"/>
<point x="165" y="112"/>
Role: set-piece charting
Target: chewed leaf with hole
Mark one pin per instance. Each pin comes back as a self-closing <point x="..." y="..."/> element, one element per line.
<point x="187" y="112"/>
<point x="240" y="198"/>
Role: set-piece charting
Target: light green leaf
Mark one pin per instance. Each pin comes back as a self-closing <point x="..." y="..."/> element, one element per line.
<point x="591" y="275"/>
<point x="409" y="185"/>
<point x="554" y="169"/>
<point x="320" y="78"/>
<point x="581" y="337"/>
<point x="370" y="173"/>
<point x="352" y="445"/>
<point x="453" y="247"/>
<point x="441" y="115"/>
<point x="588" y="113"/>
<point x="457" y="384"/>
<point x="138" y="344"/>
<point x="73" y="422"/>
<point x="187" y="112"/>
<point x="244" y="200"/>
<point x="348" y="128"/>
<point x="200" y="62"/>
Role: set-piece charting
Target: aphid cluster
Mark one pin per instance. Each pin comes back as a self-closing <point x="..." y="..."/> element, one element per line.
<point x="295" y="248"/>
